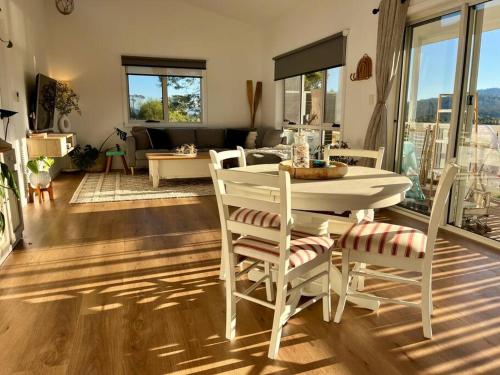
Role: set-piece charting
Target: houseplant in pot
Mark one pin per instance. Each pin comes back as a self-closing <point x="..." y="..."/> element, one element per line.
<point x="92" y="159"/>
<point x="39" y="175"/>
<point x="7" y="182"/>
<point x="66" y="102"/>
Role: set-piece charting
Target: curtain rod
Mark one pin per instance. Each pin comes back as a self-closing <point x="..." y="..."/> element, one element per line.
<point x="376" y="10"/>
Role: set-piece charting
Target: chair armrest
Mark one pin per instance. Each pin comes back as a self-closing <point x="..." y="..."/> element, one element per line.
<point x="131" y="148"/>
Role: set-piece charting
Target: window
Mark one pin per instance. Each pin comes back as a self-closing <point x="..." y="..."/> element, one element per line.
<point x="164" y="95"/>
<point x="313" y="98"/>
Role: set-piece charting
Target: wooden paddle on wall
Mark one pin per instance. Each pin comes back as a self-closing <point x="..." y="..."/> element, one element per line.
<point x="253" y="100"/>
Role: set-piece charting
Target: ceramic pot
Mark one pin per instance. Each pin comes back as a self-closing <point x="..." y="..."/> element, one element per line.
<point x="41" y="179"/>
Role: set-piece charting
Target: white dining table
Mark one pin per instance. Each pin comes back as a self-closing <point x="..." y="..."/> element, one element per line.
<point x="361" y="188"/>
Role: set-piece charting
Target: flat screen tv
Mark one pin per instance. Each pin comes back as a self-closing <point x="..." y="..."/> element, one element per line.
<point x="45" y="103"/>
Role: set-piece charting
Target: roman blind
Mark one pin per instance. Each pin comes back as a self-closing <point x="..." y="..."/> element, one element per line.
<point x="155" y="62"/>
<point x="324" y="54"/>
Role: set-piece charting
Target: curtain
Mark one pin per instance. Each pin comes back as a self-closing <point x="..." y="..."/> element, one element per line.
<point x="391" y="24"/>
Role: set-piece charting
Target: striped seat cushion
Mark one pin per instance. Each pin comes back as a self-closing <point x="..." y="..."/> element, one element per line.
<point x="384" y="239"/>
<point x="303" y="248"/>
<point x="255" y="217"/>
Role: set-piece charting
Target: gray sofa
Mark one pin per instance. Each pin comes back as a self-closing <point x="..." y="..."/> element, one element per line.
<point x="143" y="140"/>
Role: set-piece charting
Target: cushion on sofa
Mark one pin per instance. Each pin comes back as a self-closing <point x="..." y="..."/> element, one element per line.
<point x="141" y="136"/>
<point x="236" y="137"/>
<point x="272" y="137"/>
<point x="179" y="137"/>
<point x="158" y="138"/>
<point x="210" y="138"/>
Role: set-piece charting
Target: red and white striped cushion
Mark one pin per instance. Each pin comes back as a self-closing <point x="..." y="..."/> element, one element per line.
<point x="303" y="247"/>
<point x="255" y="217"/>
<point x="385" y="239"/>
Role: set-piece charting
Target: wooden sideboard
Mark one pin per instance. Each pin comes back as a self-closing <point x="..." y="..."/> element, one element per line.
<point x="50" y="145"/>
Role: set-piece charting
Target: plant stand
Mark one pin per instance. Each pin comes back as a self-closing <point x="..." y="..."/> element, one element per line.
<point x="40" y="192"/>
<point x="109" y="160"/>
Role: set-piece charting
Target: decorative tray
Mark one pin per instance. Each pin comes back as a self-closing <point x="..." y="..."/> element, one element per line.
<point x="335" y="170"/>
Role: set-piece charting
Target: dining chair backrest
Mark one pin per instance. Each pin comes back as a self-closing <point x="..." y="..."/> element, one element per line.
<point x="256" y="201"/>
<point x="219" y="157"/>
<point x="377" y="156"/>
<point x="438" y="206"/>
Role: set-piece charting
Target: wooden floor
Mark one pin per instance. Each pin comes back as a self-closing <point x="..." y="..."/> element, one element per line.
<point x="132" y="288"/>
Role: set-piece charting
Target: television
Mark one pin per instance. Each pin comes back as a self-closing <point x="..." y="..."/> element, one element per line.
<point x="45" y="103"/>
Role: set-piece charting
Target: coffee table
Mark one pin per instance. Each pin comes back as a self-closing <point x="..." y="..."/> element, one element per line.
<point x="170" y="165"/>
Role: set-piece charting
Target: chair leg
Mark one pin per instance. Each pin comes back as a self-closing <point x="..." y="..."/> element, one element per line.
<point x="345" y="286"/>
<point x="426" y="304"/>
<point x="230" y="298"/>
<point x="269" y="282"/>
<point x="327" y="300"/>
<point x="358" y="282"/>
<point x="279" y="318"/>
<point x="222" y="271"/>
<point x="132" y="171"/>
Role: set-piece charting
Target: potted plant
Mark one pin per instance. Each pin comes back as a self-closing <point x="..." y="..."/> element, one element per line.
<point x="66" y="102"/>
<point x="6" y="182"/>
<point x="39" y="175"/>
<point x="91" y="159"/>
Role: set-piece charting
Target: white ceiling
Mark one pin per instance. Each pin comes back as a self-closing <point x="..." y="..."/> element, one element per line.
<point x="256" y="12"/>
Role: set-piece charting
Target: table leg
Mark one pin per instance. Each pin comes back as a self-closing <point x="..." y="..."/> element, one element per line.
<point x="154" y="172"/>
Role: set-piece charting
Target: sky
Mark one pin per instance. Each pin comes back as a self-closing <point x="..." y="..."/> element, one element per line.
<point x="438" y="60"/>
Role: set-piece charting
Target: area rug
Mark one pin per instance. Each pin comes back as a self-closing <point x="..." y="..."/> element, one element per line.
<point x="116" y="187"/>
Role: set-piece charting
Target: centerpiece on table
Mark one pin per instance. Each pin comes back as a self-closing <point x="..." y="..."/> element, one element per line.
<point x="302" y="167"/>
<point x="187" y="150"/>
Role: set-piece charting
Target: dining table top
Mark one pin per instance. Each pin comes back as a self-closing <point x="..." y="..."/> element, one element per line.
<point x="361" y="188"/>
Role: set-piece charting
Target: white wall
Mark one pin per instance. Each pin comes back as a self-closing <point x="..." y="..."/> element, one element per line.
<point x="312" y="21"/>
<point x="86" y="46"/>
<point x="24" y="22"/>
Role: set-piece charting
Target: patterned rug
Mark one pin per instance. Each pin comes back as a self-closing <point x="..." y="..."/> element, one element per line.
<point x="115" y="187"/>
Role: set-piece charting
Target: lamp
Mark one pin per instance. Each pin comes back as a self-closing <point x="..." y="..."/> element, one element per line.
<point x="5" y="113"/>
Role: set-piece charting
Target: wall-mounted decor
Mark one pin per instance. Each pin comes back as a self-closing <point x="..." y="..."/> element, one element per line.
<point x="364" y="69"/>
<point x="65" y="6"/>
<point x="253" y="100"/>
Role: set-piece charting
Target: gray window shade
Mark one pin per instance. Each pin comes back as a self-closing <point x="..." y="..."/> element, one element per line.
<point x="323" y="54"/>
<point x="163" y="63"/>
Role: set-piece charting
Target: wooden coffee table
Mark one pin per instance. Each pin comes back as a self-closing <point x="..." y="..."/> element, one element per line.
<point x="170" y="165"/>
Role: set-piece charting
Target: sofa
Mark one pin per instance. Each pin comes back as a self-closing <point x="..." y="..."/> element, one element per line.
<point x="145" y="140"/>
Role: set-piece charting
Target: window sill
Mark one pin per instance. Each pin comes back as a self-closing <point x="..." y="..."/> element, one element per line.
<point x="162" y="125"/>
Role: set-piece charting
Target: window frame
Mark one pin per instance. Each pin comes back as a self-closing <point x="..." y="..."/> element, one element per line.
<point x="339" y="107"/>
<point x="163" y="73"/>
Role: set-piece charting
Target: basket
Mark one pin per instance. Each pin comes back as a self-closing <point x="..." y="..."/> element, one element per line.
<point x="335" y="170"/>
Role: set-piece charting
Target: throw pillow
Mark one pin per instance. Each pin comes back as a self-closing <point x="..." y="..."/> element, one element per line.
<point x="236" y="137"/>
<point x="251" y="138"/>
<point x="141" y="136"/>
<point x="159" y="139"/>
<point x="210" y="138"/>
<point x="179" y="137"/>
<point x="272" y="138"/>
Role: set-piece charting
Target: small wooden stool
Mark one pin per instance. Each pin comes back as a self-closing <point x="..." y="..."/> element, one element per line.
<point x="109" y="160"/>
<point x="40" y="192"/>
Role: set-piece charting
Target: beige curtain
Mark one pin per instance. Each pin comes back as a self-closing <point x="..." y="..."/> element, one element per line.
<point x="391" y="24"/>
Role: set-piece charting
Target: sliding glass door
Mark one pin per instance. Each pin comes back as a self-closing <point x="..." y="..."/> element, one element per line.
<point x="430" y="68"/>
<point x="450" y="108"/>
<point x="476" y="196"/>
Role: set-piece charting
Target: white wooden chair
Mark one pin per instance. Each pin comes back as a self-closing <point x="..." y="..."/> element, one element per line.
<point x="395" y="246"/>
<point x="342" y="223"/>
<point x="257" y="217"/>
<point x="339" y="224"/>
<point x="293" y="254"/>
